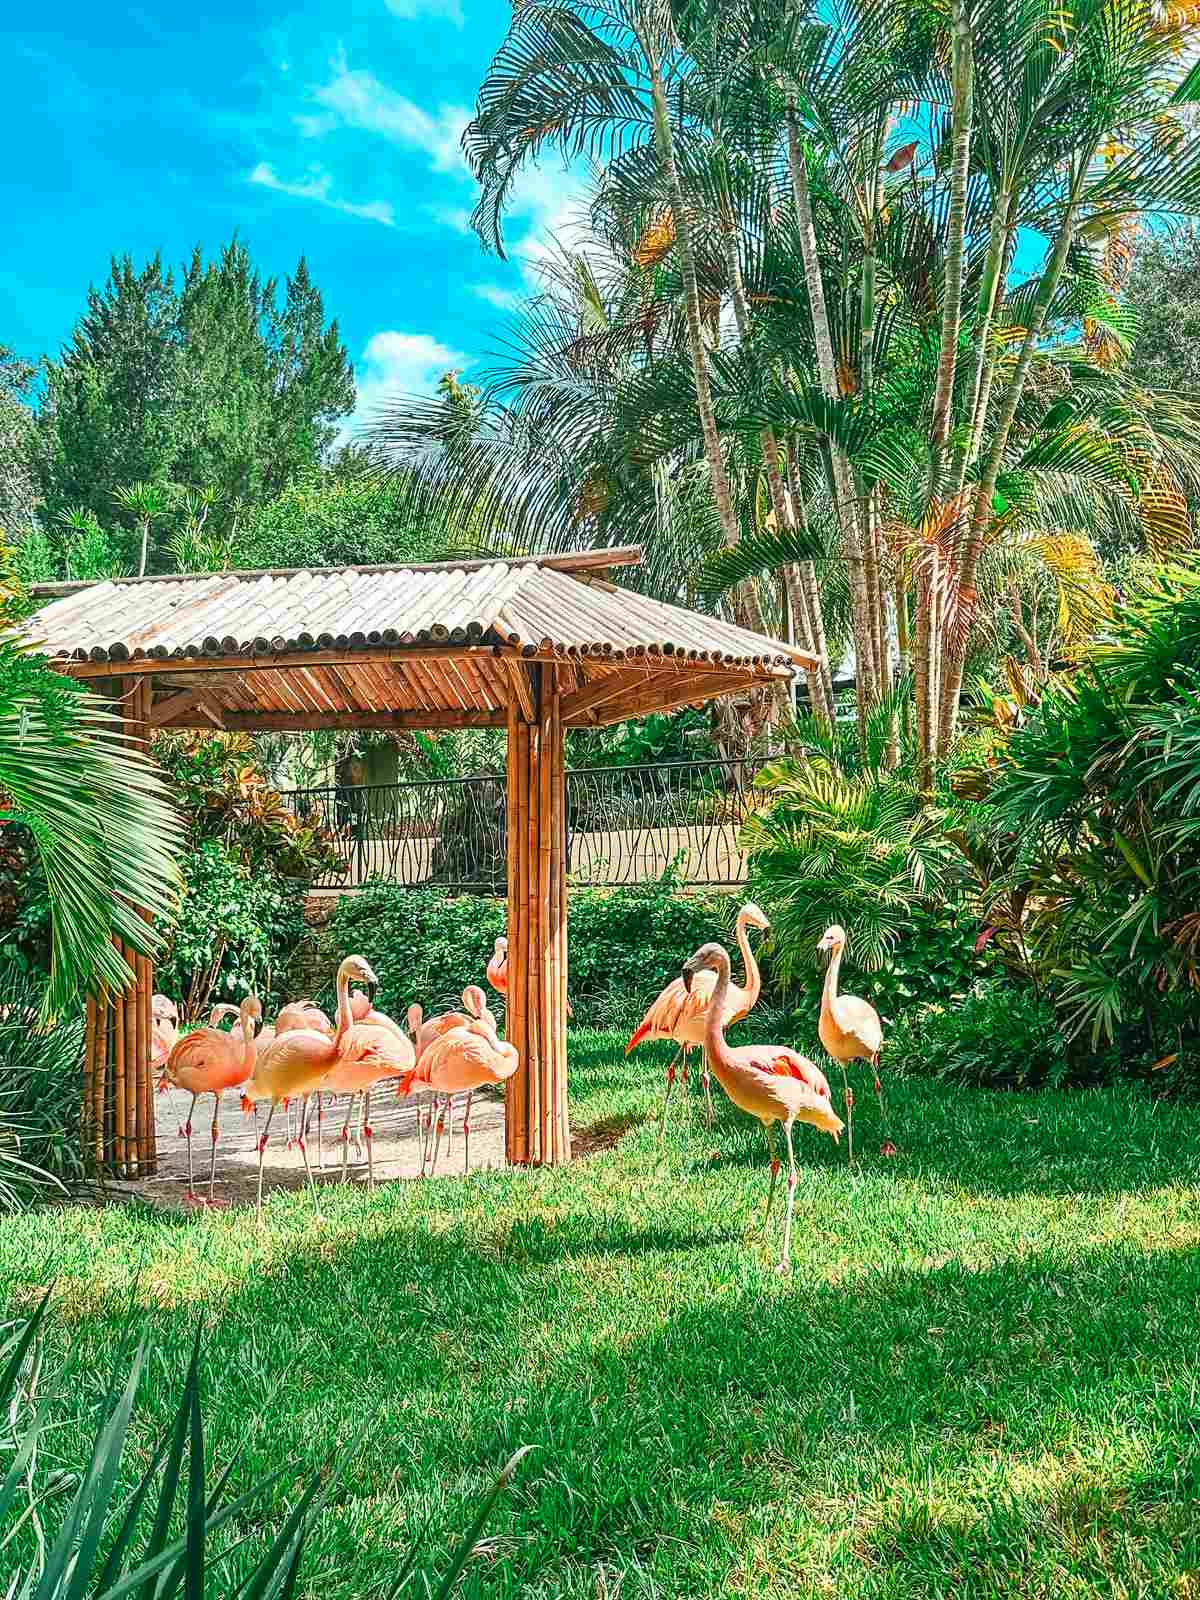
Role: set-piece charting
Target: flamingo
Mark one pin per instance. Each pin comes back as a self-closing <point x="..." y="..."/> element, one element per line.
<point x="497" y="970"/>
<point x="207" y="1061"/>
<point x="396" y="1055"/>
<point x="850" y="1030"/>
<point x="459" y="1061"/>
<point x="769" y="1081"/>
<point x="300" y="1059"/>
<point x="164" y="1029"/>
<point x="680" y="1011"/>
<point x="424" y="1033"/>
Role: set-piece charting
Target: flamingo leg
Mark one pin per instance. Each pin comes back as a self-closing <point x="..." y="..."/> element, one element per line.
<point x="320" y="1130"/>
<point x="849" y="1093"/>
<point x="346" y="1136"/>
<point x="216" y="1134"/>
<point x="262" y="1145"/>
<point x="357" y="1134"/>
<point x="466" y="1126"/>
<point x="708" y="1103"/>
<point x="785" y="1260"/>
<point x="441" y="1122"/>
<point x="773" y="1147"/>
<point x="312" y="1187"/>
<point x="187" y="1129"/>
<point x="662" y="1127"/>
<point x="887" y="1148"/>
<point x="369" y="1136"/>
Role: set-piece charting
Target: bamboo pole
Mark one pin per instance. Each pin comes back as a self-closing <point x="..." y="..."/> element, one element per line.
<point x="545" y="775"/>
<point x="142" y="1058"/>
<point x="86" y="1110"/>
<point x="130" y="999"/>
<point x="562" y="1111"/>
<point x="533" y="952"/>
<point x="120" y="1128"/>
<point x="99" y="1083"/>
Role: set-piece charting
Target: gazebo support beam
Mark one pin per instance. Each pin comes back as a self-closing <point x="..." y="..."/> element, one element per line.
<point x="118" y="1099"/>
<point x="537" y="1125"/>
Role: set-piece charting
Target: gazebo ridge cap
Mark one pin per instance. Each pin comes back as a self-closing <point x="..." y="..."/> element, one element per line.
<point x="621" y="555"/>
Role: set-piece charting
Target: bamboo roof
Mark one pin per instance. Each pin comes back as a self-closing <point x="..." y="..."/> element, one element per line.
<point x="448" y="644"/>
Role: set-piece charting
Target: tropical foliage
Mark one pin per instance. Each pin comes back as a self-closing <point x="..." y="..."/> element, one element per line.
<point x="99" y="819"/>
<point x="853" y="195"/>
<point x="1096" y="801"/>
<point x="40" y="1060"/>
<point x="177" y="1529"/>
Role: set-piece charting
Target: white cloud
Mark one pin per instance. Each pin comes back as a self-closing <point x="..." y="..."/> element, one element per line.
<point x="456" y="217"/>
<point x="360" y="100"/>
<point x="395" y="363"/>
<point x="503" y="299"/>
<point x="318" y="186"/>
<point x="315" y="125"/>
<point x="407" y="10"/>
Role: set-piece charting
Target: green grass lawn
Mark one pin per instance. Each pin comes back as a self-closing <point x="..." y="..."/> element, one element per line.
<point x="982" y="1378"/>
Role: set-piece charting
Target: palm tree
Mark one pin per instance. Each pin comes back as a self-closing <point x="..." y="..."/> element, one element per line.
<point x="146" y="503"/>
<point x="98" y="815"/>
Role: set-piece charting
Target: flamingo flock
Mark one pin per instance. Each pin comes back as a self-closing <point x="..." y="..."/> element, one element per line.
<point x="305" y="1056"/>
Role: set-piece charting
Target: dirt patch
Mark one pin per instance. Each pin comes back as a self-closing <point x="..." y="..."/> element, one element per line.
<point x="396" y="1145"/>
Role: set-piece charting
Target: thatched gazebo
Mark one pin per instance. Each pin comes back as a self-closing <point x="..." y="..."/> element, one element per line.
<point x="534" y="645"/>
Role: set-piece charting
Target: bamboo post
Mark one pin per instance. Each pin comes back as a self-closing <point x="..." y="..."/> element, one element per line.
<point x="100" y="1126"/>
<point x="141" y="1056"/>
<point x="120" y="1125"/>
<point x="86" y="1110"/>
<point x="537" y="1128"/>
<point x="130" y="998"/>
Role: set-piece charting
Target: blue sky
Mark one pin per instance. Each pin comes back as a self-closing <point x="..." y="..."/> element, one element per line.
<point x="330" y="130"/>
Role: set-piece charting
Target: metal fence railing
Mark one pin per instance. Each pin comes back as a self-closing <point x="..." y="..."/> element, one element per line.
<point x="625" y="825"/>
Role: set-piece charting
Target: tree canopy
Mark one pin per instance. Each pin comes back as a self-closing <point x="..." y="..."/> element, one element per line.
<point x="218" y="379"/>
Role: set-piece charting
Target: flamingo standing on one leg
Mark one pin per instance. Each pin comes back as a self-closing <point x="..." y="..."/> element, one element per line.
<point x="769" y="1081"/>
<point x="207" y="1061"/>
<point x="301" y="1058"/>
<point x="497" y="970"/>
<point x="680" y="1011"/>
<point x="461" y="1060"/>
<point x="850" y="1030"/>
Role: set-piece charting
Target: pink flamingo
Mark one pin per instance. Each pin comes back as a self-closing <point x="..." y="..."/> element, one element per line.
<point x="207" y="1061"/>
<point x="164" y="1029"/>
<point x="475" y="1008"/>
<point x="850" y="1030"/>
<point x="769" y="1081"/>
<point x="300" y="1059"/>
<point x="497" y="970"/>
<point x="680" y="1012"/>
<point x="459" y="1061"/>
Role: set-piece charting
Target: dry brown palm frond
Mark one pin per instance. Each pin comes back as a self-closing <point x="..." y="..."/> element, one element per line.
<point x="656" y="241"/>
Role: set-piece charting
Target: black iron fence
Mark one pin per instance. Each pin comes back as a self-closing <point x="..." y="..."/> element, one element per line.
<point x="625" y="825"/>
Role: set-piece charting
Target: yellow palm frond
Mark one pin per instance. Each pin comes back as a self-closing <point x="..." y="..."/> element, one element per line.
<point x="1084" y="598"/>
<point x="656" y="241"/>
<point x="1166" y="522"/>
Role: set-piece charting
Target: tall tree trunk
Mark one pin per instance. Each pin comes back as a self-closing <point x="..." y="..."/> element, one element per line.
<point x="665" y="143"/>
<point x="845" y="490"/>
<point x="956" y="224"/>
<point x="145" y="547"/>
<point x="956" y="642"/>
<point x="781" y="500"/>
<point x="990" y="288"/>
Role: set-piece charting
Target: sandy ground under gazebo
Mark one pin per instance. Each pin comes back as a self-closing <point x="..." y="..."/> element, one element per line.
<point x="397" y="1150"/>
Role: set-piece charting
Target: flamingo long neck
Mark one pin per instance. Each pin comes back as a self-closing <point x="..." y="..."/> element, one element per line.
<point x="830" y="992"/>
<point x="714" y="1022"/>
<point x="249" y="1053"/>
<point x="753" y="984"/>
<point x="345" y="1017"/>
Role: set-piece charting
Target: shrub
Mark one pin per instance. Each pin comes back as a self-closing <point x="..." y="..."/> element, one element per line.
<point x="234" y="932"/>
<point x="41" y="1065"/>
<point x="996" y="1036"/>
<point x="625" y="944"/>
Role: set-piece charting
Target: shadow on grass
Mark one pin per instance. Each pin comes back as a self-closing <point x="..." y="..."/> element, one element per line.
<point x="989" y="1142"/>
<point x="696" y="1429"/>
